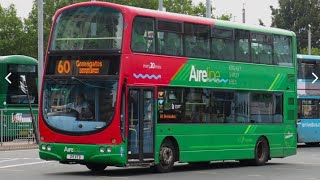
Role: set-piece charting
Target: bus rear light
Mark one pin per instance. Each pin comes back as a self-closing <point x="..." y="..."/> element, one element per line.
<point x="109" y="149"/>
<point x="102" y="150"/>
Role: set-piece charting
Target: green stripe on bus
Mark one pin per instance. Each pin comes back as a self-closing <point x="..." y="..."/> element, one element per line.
<point x="247" y="130"/>
<point x="274" y="81"/>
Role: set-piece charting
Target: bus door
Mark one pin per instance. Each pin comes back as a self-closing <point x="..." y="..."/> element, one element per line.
<point x="141" y="124"/>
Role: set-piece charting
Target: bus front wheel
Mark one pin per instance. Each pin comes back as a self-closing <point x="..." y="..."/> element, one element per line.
<point x="261" y="152"/>
<point x="96" y="167"/>
<point x="166" y="157"/>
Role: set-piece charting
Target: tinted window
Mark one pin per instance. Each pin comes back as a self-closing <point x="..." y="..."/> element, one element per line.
<point x="309" y="109"/>
<point x="196" y="40"/>
<point x="143" y="35"/>
<point x="222" y="49"/>
<point x="305" y="69"/>
<point x="196" y="105"/>
<point x="242" y="46"/>
<point x="265" y="108"/>
<point x="14" y="93"/>
<point x="169" y="38"/>
<point x="282" y="50"/>
<point x="261" y="48"/>
<point x="88" y="28"/>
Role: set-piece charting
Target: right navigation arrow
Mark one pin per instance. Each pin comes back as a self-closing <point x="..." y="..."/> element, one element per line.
<point x="315" y="77"/>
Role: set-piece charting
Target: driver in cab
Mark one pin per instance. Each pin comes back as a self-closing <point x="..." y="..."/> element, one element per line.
<point x="80" y="105"/>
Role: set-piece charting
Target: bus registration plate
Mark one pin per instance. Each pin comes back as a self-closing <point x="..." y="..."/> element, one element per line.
<point x="75" y="156"/>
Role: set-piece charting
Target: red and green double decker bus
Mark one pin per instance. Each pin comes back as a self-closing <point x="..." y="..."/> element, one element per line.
<point x="161" y="88"/>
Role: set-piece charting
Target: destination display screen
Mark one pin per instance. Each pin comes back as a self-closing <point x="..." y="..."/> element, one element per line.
<point x="82" y="66"/>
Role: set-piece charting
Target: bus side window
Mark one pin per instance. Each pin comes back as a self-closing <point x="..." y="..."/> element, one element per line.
<point x="143" y="35"/>
<point x="222" y="43"/>
<point x="169" y="37"/>
<point x="282" y="50"/>
<point x="242" y="46"/>
<point x="171" y="44"/>
<point x="197" y="38"/>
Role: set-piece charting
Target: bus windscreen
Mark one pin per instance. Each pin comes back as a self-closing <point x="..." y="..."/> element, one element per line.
<point x="88" y="28"/>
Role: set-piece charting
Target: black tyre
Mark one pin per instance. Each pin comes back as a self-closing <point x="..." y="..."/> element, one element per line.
<point x="96" y="167"/>
<point x="261" y="152"/>
<point x="312" y="144"/>
<point x="166" y="157"/>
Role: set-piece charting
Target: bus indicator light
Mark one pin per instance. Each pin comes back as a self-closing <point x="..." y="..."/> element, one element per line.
<point x="49" y="148"/>
<point x="102" y="150"/>
<point x="109" y="149"/>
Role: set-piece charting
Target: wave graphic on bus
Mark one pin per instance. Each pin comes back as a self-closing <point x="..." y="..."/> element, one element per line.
<point x="218" y="80"/>
<point x="156" y="77"/>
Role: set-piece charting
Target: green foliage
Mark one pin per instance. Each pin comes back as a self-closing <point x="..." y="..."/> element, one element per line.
<point x="314" y="51"/>
<point x="225" y="17"/>
<point x="295" y="15"/>
<point x="11" y="34"/>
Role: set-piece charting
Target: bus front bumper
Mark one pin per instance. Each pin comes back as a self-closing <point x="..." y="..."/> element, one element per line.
<point x="113" y="155"/>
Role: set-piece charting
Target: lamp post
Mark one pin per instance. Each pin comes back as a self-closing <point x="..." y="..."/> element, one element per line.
<point x="309" y="39"/>
<point x="160" y="5"/>
<point x="208" y="11"/>
<point x="243" y="12"/>
<point x="40" y="44"/>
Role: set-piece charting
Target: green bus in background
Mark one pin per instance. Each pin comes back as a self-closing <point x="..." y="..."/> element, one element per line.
<point x="16" y="121"/>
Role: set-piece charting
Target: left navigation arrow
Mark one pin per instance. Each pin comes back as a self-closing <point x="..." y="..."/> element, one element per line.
<point x="7" y="78"/>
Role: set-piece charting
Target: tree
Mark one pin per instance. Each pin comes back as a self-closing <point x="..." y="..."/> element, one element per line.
<point x="187" y="7"/>
<point x="314" y="51"/>
<point x="295" y="15"/>
<point x="226" y="17"/>
<point x="11" y="32"/>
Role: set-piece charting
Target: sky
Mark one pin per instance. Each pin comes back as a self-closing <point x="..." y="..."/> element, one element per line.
<point x="254" y="9"/>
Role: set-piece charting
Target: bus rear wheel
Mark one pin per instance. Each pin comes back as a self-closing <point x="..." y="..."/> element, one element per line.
<point x="261" y="152"/>
<point x="96" y="167"/>
<point x="166" y="157"/>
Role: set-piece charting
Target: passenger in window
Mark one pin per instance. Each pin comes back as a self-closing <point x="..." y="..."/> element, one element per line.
<point x="81" y="106"/>
<point x="139" y="42"/>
